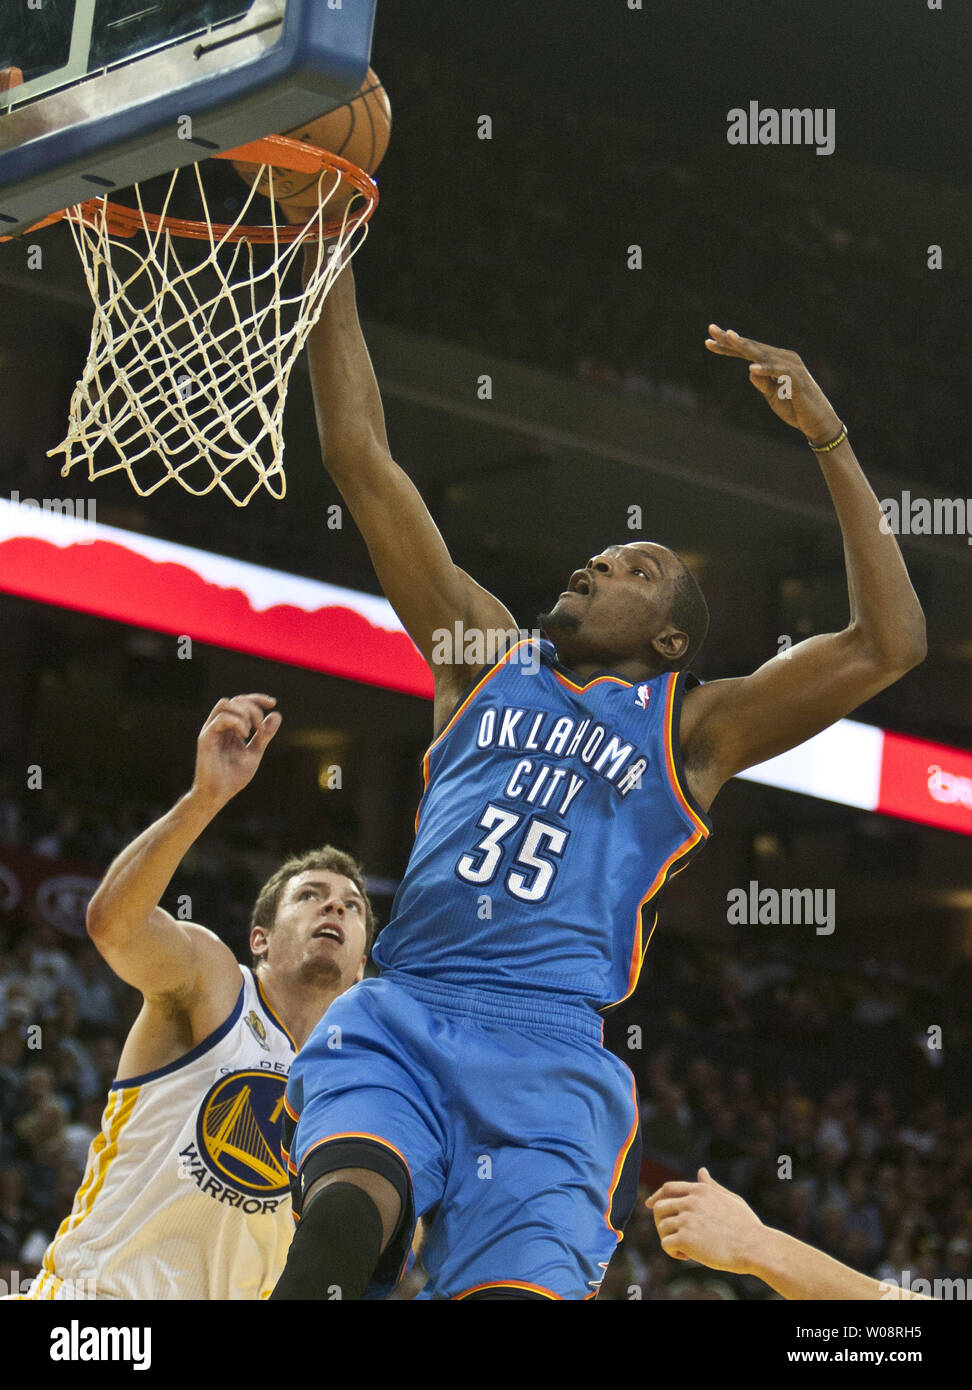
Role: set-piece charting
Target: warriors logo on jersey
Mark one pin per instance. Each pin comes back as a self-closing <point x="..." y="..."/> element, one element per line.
<point x="238" y="1131"/>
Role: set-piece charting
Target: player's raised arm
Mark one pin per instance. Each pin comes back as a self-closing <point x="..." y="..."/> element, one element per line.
<point x="706" y="1222"/>
<point x="427" y="590"/>
<point x="141" y="942"/>
<point x="729" y="725"/>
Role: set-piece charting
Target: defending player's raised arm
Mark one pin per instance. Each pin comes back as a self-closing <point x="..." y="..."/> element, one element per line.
<point x="734" y="724"/>
<point x="427" y="590"/>
<point x="706" y="1222"/>
<point x="141" y="942"/>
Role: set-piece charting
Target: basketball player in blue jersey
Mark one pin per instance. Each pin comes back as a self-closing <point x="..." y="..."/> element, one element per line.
<point x="185" y="1192"/>
<point x="567" y="781"/>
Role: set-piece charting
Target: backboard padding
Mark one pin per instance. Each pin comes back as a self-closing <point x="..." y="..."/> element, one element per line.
<point x="279" y="64"/>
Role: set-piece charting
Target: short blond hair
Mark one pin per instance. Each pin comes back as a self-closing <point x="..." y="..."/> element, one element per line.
<point x="327" y="858"/>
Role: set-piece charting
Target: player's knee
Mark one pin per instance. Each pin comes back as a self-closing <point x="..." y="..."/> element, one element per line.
<point x="336" y="1248"/>
<point x="384" y="1197"/>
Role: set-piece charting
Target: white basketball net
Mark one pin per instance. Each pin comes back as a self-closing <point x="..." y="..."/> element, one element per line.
<point x="192" y="347"/>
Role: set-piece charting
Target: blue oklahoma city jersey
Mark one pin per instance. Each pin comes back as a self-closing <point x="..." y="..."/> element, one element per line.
<point x="554" y="811"/>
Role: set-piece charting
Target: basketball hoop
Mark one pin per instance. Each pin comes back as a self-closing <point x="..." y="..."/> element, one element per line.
<point x="187" y="375"/>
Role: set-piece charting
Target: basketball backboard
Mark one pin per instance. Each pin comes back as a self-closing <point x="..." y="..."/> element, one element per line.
<point x="119" y="91"/>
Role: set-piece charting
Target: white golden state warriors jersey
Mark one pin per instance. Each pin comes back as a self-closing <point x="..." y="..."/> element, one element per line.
<point x="185" y="1195"/>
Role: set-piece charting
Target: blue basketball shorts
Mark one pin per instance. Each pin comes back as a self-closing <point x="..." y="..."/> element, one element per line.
<point x="503" y="1121"/>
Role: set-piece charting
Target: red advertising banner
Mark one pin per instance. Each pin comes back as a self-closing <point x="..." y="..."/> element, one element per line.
<point x="926" y="782"/>
<point x="212" y="598"/>
<point x="58" y="890"/>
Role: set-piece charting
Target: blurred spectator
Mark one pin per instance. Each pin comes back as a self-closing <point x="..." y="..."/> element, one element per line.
<point x="10" y="823"/>
<point x="38" y="970"/>
<point x="830" y="1228"/>
<point x="667" y="1128"/>
<point x="79" y="1134"/>
<point x="97" y="1007"/>
<point x="40" y="1128"/>
<point x="18" y="1217"/>
<point x="863" y="1218"/>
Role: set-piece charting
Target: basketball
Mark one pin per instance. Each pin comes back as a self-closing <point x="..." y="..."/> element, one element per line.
<point x="358" y="131"/>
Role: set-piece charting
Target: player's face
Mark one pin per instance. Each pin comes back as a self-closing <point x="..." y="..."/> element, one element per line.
<point x="616" y="607"/>
<point x="320" y="930"/>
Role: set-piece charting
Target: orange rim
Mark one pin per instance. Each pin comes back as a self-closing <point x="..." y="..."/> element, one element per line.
<point x="280" y="152"/>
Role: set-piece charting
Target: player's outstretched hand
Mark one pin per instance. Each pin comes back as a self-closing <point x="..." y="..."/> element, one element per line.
<point x="781" y="377"/>
<point x="704" y="1221"/>
<point x="231" y="744"/>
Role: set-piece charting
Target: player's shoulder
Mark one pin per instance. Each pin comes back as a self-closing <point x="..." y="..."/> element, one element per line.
<point x="699" y="699"/>
<point x="209" y="978"/>
<point x="203" y="940"/>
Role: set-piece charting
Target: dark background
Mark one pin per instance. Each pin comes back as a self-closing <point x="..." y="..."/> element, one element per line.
<point x="508" y="257"/>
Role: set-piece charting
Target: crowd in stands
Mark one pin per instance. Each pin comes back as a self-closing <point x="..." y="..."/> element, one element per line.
<point x="814" y="1095"/>
<point x="882" y="1186"/>
<point x="89" y="823"/>
<point x="519" y="244"/>
<point x="63" y="1016"/>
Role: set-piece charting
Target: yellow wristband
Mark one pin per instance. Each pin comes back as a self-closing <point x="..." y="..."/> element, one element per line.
<point x="826" y="448"/>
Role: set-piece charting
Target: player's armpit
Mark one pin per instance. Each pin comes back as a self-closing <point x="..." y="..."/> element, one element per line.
<point x="729" y="725"/>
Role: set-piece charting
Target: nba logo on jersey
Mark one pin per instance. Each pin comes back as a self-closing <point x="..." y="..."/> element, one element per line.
<point x="642" y="696"/>
<point x="257" y="1029"/>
